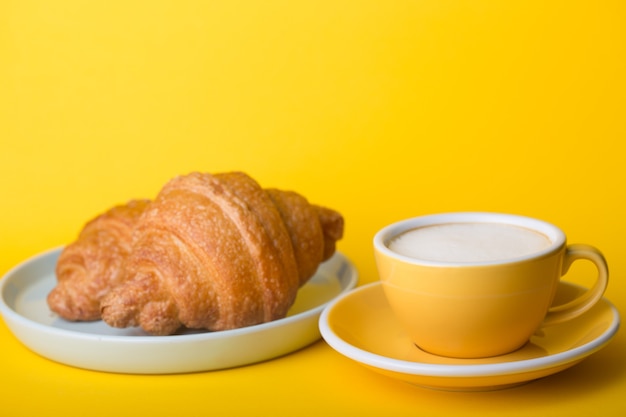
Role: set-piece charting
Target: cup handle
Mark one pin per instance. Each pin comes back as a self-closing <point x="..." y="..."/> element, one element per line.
<point x="574" y="308"/>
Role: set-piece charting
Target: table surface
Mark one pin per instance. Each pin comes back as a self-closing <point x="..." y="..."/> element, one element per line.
<point x="381" y="110"/>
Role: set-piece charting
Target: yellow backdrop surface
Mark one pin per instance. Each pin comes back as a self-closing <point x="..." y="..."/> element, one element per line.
<point x="380" y="109"/>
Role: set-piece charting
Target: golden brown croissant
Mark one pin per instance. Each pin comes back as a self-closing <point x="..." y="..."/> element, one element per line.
<point x="219" y="252"/>
<point x="89" y="267"/>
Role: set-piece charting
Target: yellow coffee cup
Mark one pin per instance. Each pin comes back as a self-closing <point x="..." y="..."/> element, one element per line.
<point x="472" y="285"/>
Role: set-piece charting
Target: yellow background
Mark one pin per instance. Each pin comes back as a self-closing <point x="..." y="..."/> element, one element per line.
<point x="380" y="109"/>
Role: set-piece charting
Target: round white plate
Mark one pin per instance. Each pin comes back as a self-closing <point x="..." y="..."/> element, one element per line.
<point x="96" y="346"/>
<point x="361" y="326"/>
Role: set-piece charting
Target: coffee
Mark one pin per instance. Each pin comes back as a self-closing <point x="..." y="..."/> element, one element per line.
<point x="469" y="242"/>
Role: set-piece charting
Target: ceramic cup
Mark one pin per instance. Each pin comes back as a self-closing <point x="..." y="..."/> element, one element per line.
<point x="482" y="287"/>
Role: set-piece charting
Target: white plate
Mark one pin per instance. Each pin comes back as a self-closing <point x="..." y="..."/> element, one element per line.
<point x="361" y="326"/>
<point x="96" y="346"/>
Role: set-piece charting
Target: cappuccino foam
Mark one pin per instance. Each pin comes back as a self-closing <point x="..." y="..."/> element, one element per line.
<point x="469" y="242"/>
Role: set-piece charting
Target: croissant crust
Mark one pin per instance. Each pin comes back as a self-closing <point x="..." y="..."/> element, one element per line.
<point x="90" y="267"/>
<point x="219" y="252"/>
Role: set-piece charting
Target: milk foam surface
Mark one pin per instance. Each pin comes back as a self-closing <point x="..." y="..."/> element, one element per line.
<point x="469" y="242"/>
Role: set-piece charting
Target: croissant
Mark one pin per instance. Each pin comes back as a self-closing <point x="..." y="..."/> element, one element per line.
<point x="218" y="252"/>
<point x="90" y="266"/>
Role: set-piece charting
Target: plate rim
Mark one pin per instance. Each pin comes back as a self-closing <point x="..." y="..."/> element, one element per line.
<point x="460" y="370"/>
<point x="12" y="318"/>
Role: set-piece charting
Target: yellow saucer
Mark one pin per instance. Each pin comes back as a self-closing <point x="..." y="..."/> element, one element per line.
<point x="361" y="326"/>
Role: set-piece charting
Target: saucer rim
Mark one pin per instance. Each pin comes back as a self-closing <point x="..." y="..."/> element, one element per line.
<point x="460" y="370"/>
